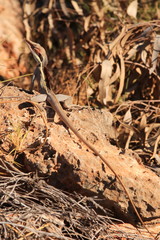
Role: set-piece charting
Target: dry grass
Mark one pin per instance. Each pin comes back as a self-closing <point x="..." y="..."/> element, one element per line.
<point x="103" y="55"/>
<point x="105" y="58"/>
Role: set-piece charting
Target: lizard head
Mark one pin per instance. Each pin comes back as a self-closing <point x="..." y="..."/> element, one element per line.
<point x="38" y="52"/>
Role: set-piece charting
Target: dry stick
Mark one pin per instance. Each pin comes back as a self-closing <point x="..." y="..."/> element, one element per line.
<point x="35" y="231"/>
<point x="30" y="233"/>
<point x="9" y="80"/>
<point x="122" y="78"/>
<point x="156" y="146"/>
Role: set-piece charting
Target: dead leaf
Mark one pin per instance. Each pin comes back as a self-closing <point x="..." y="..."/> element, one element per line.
<point x="144" y="55"/>
<point x="143" y="122"/>
<point x="64" y="8"/>
<point x="99" y="11"/>
<point x="122" y="79"/>
<point x="131" y="132"/>
<point x="128" y="117"/>
<point x="77" y="8"/>
<point x="117" y="40"/>
<point x="115" y="75"/>
<point x="87" y="22"/>
<point x="140" y="47"/>
<point x="149" y="129"/>
<point x="106" y="72"/>
<point x="156" y="146"/>
<point x="132" y="9"/>
<point x="97" y="57"/>
<point x="156" y="51"/>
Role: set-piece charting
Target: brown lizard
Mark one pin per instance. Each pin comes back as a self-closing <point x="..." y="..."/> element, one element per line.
<point x="40" y="56"/>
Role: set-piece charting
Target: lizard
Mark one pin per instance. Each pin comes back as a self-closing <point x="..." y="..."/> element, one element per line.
<point x="41" y="58"/>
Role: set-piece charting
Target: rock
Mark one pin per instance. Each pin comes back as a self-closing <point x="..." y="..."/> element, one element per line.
<point x="70" y="165"/>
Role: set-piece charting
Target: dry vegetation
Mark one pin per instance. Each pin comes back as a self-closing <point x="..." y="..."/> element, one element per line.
<point x="104" y="54"/>
<point x="104" y="57"/>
